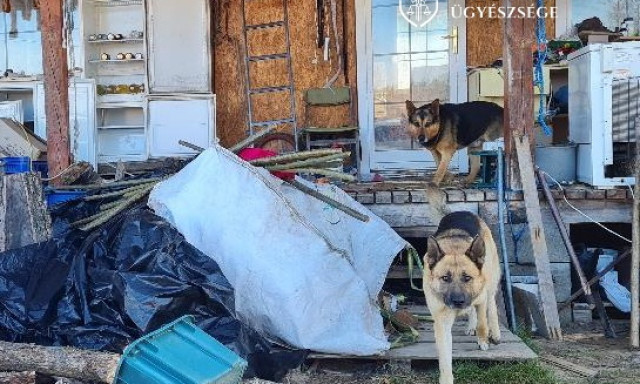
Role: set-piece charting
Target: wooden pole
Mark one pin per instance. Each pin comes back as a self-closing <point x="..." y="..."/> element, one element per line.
<point x="56" y="86"/>
<point x="519" y="37"/>
<point x="635" y="256"/>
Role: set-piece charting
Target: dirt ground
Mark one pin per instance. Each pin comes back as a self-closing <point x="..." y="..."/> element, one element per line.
<point x="584" y="345"/>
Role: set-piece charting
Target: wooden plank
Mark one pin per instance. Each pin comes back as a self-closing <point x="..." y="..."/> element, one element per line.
<point x="635" y="254"/>
<point x="548" y="300"/>
<point x="519" y="36"/>
<point x="24" y="219"/>
<point x="56" y="86"/>
<point x="569" y="366"/>
<point x="505" y="352"/>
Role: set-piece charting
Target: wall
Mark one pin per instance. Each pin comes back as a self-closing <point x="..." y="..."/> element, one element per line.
<point x="485" y="36"/>
<point x="309" y="68"/>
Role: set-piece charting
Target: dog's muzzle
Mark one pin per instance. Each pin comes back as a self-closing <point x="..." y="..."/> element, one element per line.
<point x="422" y="140"/>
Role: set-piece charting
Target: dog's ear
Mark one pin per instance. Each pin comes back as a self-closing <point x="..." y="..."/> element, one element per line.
<point x="434" y="252"/>
<point x="476" y="251"/>
<point x="411" y="108"/>
<point x="435" y="108"/>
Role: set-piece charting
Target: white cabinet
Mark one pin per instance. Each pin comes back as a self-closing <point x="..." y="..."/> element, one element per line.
<point x="82" y="121"/>
<point x="179" y="46"/>
<point x="172" y="120"/>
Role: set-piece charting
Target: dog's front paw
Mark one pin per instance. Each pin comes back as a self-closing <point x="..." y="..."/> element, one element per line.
<point x="483" y="344"/>
<point x="494" y="340"/>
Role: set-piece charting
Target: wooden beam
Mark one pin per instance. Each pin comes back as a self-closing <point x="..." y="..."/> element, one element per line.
<point x="635" y="256"/>
<point x="519" y="37"/>
<point x="56" y="86"/>
<point x="549" y="306"/>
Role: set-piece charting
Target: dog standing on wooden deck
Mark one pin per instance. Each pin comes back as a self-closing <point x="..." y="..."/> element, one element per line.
<point x="444" y="129"/>
<point x="462" y="276"/>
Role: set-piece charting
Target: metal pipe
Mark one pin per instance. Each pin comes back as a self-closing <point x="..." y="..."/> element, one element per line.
<point x="503" y="242"/>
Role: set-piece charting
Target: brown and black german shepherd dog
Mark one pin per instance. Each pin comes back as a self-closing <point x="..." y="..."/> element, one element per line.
<point x="443" y="129"/>
<point x="462" y="276"/>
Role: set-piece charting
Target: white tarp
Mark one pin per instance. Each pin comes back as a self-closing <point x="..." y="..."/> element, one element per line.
<point x="302" y="272"/>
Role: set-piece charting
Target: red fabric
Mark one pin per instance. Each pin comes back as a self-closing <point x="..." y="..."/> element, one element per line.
<point x="249" y="154"/>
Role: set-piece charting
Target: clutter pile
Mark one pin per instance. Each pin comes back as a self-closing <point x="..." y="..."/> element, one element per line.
<point x="269" y="267"/>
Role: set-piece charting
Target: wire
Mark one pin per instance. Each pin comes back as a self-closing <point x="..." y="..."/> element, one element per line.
<point x="633" y="194"/>
<point x="564" y="196"/>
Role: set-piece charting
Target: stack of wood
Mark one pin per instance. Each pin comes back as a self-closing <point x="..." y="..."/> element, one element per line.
<point x="326" y="162"/>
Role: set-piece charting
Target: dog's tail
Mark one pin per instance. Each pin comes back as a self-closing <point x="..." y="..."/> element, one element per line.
<point x="437" y="199"/>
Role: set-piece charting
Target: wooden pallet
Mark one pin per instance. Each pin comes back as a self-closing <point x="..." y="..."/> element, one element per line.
<point x="464" y="347"/>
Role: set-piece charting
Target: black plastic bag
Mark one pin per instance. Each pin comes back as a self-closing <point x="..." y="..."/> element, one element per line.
<point x="103" y="289"/>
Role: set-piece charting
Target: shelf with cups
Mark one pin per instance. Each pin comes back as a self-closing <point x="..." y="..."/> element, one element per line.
<point x="116" y="60"/>
<point x="121" y="41"/>
<point x="117" y="3"/>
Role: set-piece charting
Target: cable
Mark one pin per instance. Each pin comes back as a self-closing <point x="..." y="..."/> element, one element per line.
<point x="633" y="194"/>
<point x="564" y="196"/>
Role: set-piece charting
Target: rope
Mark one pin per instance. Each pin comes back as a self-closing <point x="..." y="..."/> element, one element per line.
<point x="538" y="76"/>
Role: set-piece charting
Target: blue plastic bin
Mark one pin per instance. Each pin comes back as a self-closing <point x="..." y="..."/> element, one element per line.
<point x="42" y="167"/>
<point x="57" y="197"/>
<point x="13" y="165"/>
<point x="179" y="353"/>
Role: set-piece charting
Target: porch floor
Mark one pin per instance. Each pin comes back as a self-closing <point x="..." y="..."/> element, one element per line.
<point x="511" y="349"/>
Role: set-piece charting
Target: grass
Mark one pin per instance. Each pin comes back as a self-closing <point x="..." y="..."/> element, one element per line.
<point x="508" y="373"/>
<point x="527" y="337"/>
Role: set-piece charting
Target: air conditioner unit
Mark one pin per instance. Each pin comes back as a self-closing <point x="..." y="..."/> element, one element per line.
<point x="604" y="111"/>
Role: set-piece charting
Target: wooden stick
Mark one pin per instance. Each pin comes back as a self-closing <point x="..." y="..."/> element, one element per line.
<point x="105" y="216"/>
<point x="597" y="278"/>
<point x="118" y="193"/>
<point x="324" y="172"/>
<point x="308" y="163"/>
<point x="326" y="199"/>
<point x="59" y="361"/>
<point x="191" y="146"/>
<point x="569" y="366"/>
<point x="251" y="139"/>
<point x="117" y="184"/>
<point x="591" y="297"/>
<point x="549" y="304"/>
<point x="282" y="159"/>
<point x="635" y="258"/>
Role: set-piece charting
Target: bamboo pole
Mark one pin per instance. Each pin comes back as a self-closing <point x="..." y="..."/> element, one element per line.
<point x="326" y="199"/>
<point x="635" y="257"/>
<point x="324" y="172"/>
<point x="117" y="184"/>
<point x="251" y="139"/>
<point x="308" y="163"/>
<point x="294" y="157"/>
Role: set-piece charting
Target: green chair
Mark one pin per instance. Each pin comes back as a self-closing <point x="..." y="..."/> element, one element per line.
<point x="326" y="137"/>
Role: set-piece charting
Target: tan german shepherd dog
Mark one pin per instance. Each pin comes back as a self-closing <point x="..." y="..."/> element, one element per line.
<point x="462" y="276"/>
<point x="444" y="129"/>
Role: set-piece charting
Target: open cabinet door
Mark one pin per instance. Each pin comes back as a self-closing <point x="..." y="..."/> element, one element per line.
<point x="179" y="46"/>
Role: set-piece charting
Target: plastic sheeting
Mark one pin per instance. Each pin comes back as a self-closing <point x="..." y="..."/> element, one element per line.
<point x="110" y="287"/>
<point x="302" y="272"/>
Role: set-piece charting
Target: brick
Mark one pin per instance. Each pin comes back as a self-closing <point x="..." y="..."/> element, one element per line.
<point x="490" y="195"/>
<point x="401" y="197"/>
<point x="419" y="196"/>
<point x="557" y="194"/>
<point x="455" y="196"/>
<point x="576" y="194"/>
<point x="616" y="194"/>
<point x="474" y="195"/>
<point x="365" y="198"/>
<point x="596" y="194"/>
<point x="383" y="197"/>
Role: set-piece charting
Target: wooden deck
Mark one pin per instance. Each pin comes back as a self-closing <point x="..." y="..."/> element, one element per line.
<point x="465" y="347"/>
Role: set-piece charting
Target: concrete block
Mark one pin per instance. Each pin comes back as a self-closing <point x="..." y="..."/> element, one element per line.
<point x="401" y="197"/>
<point x="384" y="197"/>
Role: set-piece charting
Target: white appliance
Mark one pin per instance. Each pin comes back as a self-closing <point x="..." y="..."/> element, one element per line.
<point x="603" y="79"/>
<point x="151" y="62"/>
